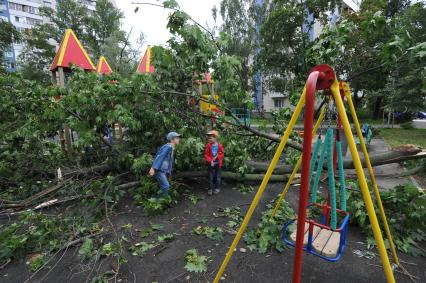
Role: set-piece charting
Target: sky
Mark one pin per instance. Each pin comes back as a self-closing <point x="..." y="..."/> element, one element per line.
<point x="152" y="20"/>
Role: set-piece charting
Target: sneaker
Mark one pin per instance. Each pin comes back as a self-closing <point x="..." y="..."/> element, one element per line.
<point x="216" y="191"/>
<point x="210" y="192"/>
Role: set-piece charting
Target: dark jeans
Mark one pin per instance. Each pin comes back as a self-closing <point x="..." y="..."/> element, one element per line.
<point x="215" y="176"/>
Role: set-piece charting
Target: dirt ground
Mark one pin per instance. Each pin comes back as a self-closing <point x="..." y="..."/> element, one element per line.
<point x="166" y="263"/>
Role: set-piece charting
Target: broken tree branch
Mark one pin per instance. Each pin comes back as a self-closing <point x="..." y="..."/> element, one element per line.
<point x="395" y="155"/>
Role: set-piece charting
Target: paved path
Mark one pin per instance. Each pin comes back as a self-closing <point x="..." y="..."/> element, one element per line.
<point x="384" y="173"/>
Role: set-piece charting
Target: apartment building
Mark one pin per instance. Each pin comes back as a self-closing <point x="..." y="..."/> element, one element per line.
<point x="25" y="14"/>
<point x="272" y="100"/>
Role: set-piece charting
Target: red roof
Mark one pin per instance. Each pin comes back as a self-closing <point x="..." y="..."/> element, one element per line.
<point x="71" y="52"/>
<point x="103" y="67"/>
<point x="145" y="63"/>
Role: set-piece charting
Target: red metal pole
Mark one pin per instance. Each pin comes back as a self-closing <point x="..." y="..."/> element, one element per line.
<point x="311" y="87"/>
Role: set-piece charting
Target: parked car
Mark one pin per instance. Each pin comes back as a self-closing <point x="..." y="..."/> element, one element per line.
<point x="421" y="115"/>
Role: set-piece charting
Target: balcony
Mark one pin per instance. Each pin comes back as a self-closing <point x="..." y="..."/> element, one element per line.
<point x="274" y="94"/>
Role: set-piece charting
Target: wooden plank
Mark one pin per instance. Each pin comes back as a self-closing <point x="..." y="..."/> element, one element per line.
<point x="332" y="246"/>
<point x="293" y="235"/>
<point x="305" y="240"/>
<point x="321" y="240"/>
<point x="67" y="130"/>
<point x="314" y="235"/>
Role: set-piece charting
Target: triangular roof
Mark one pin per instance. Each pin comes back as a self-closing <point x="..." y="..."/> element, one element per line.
<point x="103" y="67"/>
<point x="71" y="52"/>
<point x="145" y="63"/>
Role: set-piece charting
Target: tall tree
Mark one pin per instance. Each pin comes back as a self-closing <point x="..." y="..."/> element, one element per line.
<point x="383" y="57"/>
<point x="239" y="25"/>
<point x="8" y="36"/>
<point x="285" y="39"/>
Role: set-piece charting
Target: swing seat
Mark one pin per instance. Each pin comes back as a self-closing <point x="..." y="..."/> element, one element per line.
<point x="320" y="240"/>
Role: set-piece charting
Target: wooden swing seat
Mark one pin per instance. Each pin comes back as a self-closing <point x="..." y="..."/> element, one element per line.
<point x="324" y="241"/>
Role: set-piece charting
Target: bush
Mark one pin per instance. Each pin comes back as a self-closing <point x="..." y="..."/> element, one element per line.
<point x="407" y="222"/>
<point x="269" y="231"/>
<point x="407" y="125"/>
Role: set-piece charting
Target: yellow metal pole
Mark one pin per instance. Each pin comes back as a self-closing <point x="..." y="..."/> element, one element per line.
<point x="262" y="186"/>
<point x="287" y="186"/>
<point x="372" y="176"/>
<point x="363" y="184"/>
<point x="296" y="167"/>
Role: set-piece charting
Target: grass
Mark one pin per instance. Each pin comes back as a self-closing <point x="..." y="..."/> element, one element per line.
<point x="372" y="121"/>
<point x="398" y="136"/>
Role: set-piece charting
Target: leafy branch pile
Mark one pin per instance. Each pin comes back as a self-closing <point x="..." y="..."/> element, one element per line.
<point x="38" y="233"/>
<point x="268" y="234"/>
<point x="405" y="208"/>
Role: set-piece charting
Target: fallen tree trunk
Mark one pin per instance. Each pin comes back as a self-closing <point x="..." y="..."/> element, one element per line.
<point x="203" y="174"/>
<point x="231" y="176"/>
<point x="395" y="155"/>
<point x="398" y="154"/>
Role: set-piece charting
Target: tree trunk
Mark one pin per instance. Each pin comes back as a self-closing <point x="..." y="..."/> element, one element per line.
<point x="397" y="154"/>
<point x="377" y="107"/>
<point x="231" y="176"/>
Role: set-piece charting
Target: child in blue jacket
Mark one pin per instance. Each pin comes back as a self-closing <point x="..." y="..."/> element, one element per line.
<point x="163" y="162"/>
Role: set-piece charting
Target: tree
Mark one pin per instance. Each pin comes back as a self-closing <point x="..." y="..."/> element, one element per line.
<point x="285" y="40"/>
<point x="381" y="57"/>
<point x="239" y="26"/>
<point x="103" y="23"/>
<point x="8" y="36"/>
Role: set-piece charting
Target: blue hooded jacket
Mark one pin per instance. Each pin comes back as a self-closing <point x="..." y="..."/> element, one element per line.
<point x="163" y="160"/>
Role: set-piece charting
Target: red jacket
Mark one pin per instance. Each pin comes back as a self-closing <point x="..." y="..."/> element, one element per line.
<point x="209" y="155"/>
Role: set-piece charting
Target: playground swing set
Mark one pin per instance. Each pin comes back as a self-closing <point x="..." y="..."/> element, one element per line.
<point x="324" y="237"/>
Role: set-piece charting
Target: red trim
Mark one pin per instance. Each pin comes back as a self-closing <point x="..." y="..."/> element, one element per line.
<point x="320" y="77"/>
<point x="303" y="195"/>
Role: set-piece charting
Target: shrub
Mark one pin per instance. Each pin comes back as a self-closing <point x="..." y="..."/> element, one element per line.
<point x="407" y="125"/>
<point x="407" y="222"/>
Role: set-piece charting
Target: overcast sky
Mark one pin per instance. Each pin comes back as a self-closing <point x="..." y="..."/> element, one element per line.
<point x="152" y="20"/>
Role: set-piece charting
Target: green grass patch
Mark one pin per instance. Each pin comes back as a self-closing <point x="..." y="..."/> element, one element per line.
<point x="395" y="137"/>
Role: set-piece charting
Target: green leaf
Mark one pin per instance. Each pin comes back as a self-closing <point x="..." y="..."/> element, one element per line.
<point x="195" y="262"/>
<point x="140" y="249"/>
<point x="166" y="237"/>
<point x="171" y="4"/>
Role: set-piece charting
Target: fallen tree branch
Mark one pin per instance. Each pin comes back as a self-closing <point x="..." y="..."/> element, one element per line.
<point x="409" y="172"/>
<point x="395" y="155"/>
<point x="64" y="247"/>
<point x="32" y="198"/>
<point x="87" y="170"/>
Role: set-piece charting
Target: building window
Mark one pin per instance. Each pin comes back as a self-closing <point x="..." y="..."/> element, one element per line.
<point x="279" y="103"/>
<point x="9" y="65"/>
<point x="32" y="21"/>
<point x="23" y="8"/>
<point x="8" y="54"/>
<point x="17" y="19"/>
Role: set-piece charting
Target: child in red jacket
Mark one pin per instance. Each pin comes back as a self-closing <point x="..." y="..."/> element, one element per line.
<point x="214" y="156"/>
